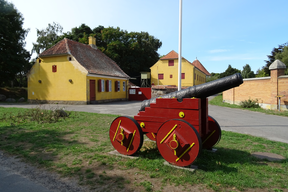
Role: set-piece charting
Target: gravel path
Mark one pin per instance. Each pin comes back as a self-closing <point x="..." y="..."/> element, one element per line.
<point x="27" y="177"/>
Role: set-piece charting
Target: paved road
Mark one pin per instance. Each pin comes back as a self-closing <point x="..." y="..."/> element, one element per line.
<point x="253" y="123"/>
<point x="11" y="181"/>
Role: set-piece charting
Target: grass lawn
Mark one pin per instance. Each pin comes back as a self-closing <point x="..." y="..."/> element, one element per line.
<point x="77" y="146"/>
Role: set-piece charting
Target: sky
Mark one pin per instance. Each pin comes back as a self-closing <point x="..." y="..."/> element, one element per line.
<point x="216" y="32"/>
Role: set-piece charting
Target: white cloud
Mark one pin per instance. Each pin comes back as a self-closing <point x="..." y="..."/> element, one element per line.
<point x="218" y="50"/>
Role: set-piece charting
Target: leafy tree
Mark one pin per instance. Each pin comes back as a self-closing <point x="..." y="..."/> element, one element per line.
<point x="271" y="58"/>
<point x="133" y="52"/>
<point x="213" y="77"/>
<point x="261" y="73"/>
<point x="14" y="59"/>
<point x="48" y="37"/>
<point x="229" y="71"/>
<point x="283" y="56"/>
<point x="246" y="72"/>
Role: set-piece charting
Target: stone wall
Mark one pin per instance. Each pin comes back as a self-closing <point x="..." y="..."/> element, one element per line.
<point x="265" y="89"/>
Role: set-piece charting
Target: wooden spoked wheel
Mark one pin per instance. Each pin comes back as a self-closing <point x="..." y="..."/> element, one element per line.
<point x="213" y="136"/>
<point x="126" y="135"/>
<point x="178" y="142"/>
<point x="151" y="136"/>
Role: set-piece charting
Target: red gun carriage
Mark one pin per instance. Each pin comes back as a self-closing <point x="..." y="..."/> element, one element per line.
<point x="179" y="124"/>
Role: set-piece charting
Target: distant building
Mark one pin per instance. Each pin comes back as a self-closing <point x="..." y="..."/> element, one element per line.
<point x="75" y="73"/>
<point x="165" y="71"/>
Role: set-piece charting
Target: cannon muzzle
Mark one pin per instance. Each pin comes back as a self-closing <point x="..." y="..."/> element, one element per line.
<point x="202" y="90"/>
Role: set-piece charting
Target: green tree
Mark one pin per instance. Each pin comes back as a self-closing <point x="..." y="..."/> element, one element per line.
<point x="213" y="77"/>
<point x="14" y="59"/>
<point x="261" y="73"/>
<point x="271" y="58"/>
<point x="133" y="52"/>
<point x="48" y="37"/>
<point x="229" y="71"/>
<point x="246" y="72"/>
<point x="283" y="56"/>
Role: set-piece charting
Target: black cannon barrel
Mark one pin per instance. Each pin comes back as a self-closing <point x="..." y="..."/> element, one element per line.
<point x="202" y="90"/>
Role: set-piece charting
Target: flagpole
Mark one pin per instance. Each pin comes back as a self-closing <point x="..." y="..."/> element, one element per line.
<point x="180" y="46"/>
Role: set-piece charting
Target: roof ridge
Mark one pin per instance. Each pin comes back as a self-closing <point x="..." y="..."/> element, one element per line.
<point x="51" y="47"/>
<point x="67" y="46"/>
<point x="204" y="70"/>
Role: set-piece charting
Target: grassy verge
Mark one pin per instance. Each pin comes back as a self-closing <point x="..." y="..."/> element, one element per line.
<point x="218" y="100"/>
<point x="77" y="146"/>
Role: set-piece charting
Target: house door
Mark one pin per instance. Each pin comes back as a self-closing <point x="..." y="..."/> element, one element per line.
<point x="92" y="90"/>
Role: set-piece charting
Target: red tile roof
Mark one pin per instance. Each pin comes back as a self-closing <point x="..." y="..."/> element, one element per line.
<point x="90" y="58"/>
<point x="173" y="55"/>
<point x="197" y="64"/>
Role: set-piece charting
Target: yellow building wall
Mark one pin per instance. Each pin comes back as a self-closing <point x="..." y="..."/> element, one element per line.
<point x="55" y="86"/>
<point x="106" y="95"/>
<point x="191" y="73"/>
<point x="199" y="77"/>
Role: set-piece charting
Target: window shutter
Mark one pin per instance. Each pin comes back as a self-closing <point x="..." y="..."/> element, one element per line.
<point x="116" y="86"/>
<point x="99" y="85"/>
<point x="54" y="68"/>
<point x="107" y="85"/>
<point x="182" y="75"/>
<point x="171" y="63"/>
<point x="160" y="76"/>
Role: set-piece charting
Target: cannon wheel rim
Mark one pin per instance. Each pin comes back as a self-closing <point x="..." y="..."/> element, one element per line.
<point x="132" y="143"/>
<point x="185" y="154"/>
<point x="212" y="139"/>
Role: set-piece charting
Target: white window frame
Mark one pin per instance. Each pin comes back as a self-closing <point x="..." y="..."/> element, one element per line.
<point x="102" y="85"/>
<point x="124" y="86"/>
<point x="110" y="86"/>
<point x="118" y="86"/>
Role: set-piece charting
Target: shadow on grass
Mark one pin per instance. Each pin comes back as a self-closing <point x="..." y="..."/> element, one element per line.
<point x="224" y="159"/>
<point x="37" y="145"/>
<point x="228" y="160"/>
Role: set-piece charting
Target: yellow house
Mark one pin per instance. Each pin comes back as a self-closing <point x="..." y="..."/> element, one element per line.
<point x="165" y="71"/>
<point x="74" y="73"/>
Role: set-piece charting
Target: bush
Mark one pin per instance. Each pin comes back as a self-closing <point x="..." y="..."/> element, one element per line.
<point x="250" y="103"/>
<point x="38" y="114"/>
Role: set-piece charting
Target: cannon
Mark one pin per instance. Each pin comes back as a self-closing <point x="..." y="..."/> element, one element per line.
<point x="178" y="122"/>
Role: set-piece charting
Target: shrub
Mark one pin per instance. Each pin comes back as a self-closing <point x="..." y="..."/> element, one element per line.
<point x="250" y="103"/>
<point x="38" y="114"/>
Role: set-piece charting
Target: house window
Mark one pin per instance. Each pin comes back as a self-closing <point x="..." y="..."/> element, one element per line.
<point x="171" y="76"/>
<point x="108" y="85"/>
<point x="101" y="86"/>
<point x="161" y="76"/>
<point x="171" y="63"/>
<point x="54" y="68"/>
<point x="117" y="86"/>
<point x="124" y="86"/>
<point x="39" y="60"/>
<point x="182" y="75"/>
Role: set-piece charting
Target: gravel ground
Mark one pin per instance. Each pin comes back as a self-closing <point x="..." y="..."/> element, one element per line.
<point x="51" y="181"/>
